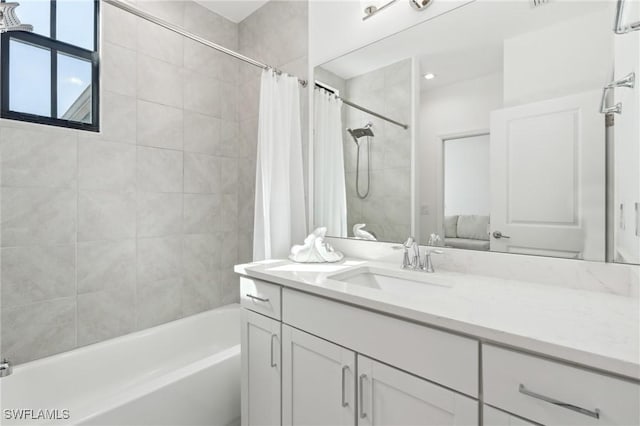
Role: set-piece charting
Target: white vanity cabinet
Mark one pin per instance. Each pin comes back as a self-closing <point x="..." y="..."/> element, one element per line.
<point x="311" y="360"/>
<point x="318" y="381"/>
<point x="388" y="396"/>
<point x="261" y="369"/>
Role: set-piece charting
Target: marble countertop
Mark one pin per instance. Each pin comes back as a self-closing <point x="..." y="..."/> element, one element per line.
<point x="589" y="328"/>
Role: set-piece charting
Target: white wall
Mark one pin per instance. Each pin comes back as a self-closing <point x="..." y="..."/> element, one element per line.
<point x="459" y="108"/>
<point x="466" y="176"/>
<point x="337" y="26"/>
<point x="570" y="57"/>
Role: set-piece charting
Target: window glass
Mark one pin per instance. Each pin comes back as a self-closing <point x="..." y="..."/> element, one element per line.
<point x="74" y="89"/>
<point x="75" y="22"/>
<point x="36" y="13"/>
<point x="30" y="79"/>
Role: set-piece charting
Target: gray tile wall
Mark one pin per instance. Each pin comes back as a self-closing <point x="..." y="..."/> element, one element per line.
<point x="387" y="208"/>
<point x="104" y="234"/>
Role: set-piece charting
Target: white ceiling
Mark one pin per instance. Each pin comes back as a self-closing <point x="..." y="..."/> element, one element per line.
<point x="233" y="10"/>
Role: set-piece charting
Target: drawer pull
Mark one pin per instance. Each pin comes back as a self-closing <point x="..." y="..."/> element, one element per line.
<point x="344" y="379"/>
<point x="363" y="414"/>
<point x="595" y="413"/>
<point x="259" y="299"/>
<point x="272" y="362"/>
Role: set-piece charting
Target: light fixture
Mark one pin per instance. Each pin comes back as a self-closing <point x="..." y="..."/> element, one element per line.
<point x="429" y="76"/>
<point x="420" y="5"/>
<point x="371" y="7"/>
<point x="9" y="21"/>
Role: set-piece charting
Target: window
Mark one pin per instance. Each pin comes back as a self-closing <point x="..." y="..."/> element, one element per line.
<point x="50" y="76"/>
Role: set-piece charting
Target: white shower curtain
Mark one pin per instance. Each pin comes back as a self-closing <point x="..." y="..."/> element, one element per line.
<point x="280" y="216"/>
<point x="330" y="198"/>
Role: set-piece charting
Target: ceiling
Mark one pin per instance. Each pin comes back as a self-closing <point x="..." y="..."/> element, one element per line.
<point x="234" y="10"/>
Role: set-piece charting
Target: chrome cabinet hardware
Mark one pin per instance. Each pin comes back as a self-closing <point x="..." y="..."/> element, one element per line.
<point x="628" y="81"/>
<point x="273" y="364"/>
<point x="259" y="299"/>
<point x="5" y="368"/>
<point x="619" y="27"/>
<point x="591" y="413"/>
<point x="637" y="208"/>
<point x="363" y="414"/>
<point x="497" y="235"/>
<point x="345" y="368"/>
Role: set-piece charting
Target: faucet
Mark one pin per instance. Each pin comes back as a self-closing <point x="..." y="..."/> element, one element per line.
<point x="5" y="368"/>
<point x="415" y="262"/>
<point x="427" y="266"/>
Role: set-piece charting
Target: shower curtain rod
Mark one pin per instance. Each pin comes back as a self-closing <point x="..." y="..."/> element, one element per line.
<point x="127" y="7"/>
<point x="361" y="108"/>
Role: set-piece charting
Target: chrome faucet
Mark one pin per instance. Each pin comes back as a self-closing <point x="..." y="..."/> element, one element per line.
<point x="5" y="368"/>
<point x="427" y="266"/>
<point x="414" y="262"/>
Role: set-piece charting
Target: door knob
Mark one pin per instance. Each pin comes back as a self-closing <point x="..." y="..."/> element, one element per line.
<point x="497" y="235"/>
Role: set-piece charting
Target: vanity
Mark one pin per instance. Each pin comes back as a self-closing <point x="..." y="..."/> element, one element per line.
<point x="364" y="342"/>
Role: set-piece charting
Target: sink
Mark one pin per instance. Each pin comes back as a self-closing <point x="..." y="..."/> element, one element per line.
<point x="400" y="281"/>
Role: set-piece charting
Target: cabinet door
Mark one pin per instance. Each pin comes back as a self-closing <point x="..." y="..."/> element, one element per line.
<point x="493" y="417"/>
<point x="261" y="370"/>
<point x="318" y="381"/>
<point x="388" y="396"/>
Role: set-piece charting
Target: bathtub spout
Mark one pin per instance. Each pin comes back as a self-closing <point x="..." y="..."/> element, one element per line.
<point x="5" y="368"/>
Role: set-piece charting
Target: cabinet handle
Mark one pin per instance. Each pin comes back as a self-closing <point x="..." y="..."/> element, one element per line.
<point x="259" y="299"/>
<point x="345" y="368"/>
<point x="273" y="364"/>
<point x="361" y="381"/>
<point x="637" y="209"/>
<point x="591" y="413"/>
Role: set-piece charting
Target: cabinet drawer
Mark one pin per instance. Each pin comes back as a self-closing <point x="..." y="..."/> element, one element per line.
<point x="440" y="357"/>
<point x="260" y="296"/>
<point x="552" y="393"/>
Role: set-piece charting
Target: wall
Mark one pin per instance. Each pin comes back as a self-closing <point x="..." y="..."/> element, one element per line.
<point x="458" y="108"/>
<point x="569" y="57"/>
<point x="276" y="34"/>
<point x="105" y="234"/>
<point x="387" y="209"/>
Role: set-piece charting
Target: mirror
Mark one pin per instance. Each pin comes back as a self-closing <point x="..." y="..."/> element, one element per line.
<point x="506" y="146"/>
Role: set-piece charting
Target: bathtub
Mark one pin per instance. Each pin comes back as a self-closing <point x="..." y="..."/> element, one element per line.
<point x="186" y="372"/>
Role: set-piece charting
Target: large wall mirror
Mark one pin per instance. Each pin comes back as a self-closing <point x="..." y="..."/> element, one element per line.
<point x="487" y="128"/>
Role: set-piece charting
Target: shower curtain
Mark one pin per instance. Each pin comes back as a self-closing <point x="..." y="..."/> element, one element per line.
<point x="280" y="216"/>
<point x="330" y="198"/>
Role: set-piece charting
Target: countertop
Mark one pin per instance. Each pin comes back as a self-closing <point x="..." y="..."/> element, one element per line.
<point x="589" y="328"/>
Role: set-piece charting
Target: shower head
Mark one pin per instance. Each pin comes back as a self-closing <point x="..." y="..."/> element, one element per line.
<point x="9" y="21"/>
<point x="361" y="132"/>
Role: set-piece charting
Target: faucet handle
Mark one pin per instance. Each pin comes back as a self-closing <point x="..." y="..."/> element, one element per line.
<point x="410" y="241"/>
<point x="427" y="266"/>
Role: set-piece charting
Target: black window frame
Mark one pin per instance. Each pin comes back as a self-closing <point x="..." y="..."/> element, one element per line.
<point x="54" y="47"/>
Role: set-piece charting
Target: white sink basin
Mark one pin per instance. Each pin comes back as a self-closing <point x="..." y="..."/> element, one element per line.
<point x="400" y="281"/>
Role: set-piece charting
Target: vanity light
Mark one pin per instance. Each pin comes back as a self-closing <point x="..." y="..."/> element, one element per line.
<point x="371" y="7"/>
<point x="429" y="76"/>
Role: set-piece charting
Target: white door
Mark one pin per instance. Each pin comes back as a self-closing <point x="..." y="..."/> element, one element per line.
<point x="547" y="178"/>
<point x="493" y="417"/>
<point x="387" y="396"/>
<point x="261" y="368"/>
<point x="318" y="381"/>
<point x="626" y="133"/>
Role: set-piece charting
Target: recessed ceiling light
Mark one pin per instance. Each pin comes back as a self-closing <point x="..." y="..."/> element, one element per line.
<point x="429" y="76"/>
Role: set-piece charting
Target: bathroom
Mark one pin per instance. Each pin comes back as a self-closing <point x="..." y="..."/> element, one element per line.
<point x="296" y="212"/>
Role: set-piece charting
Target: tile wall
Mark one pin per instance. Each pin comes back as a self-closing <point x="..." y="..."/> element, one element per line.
<point x="105" y="234"/>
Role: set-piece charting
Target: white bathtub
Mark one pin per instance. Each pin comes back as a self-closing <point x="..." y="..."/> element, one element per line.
<point x="186" y="372"/>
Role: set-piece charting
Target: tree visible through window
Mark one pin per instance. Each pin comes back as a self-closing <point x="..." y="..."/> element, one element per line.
<point x="50" y="76"/>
